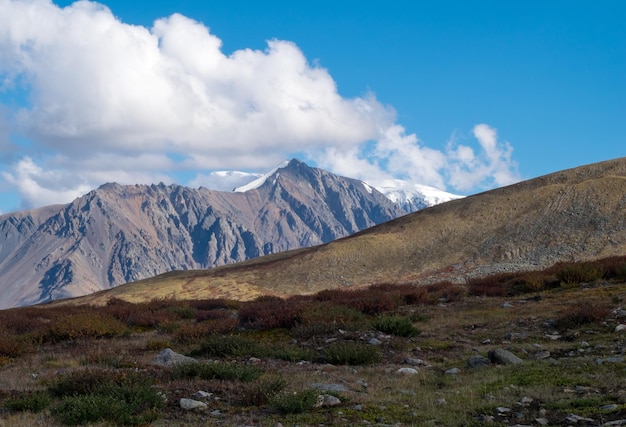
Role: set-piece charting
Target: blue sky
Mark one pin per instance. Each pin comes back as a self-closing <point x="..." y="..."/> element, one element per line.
<point x="463" y="96"/>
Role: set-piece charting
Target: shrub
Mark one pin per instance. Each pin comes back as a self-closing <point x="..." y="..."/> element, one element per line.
<point x="119" y="397"/>
<point x="295" y="403"/>
<point x="191" y="333"/>
<point x="216" y="371"/>
<point x="404" y="293"/>
<point x="325" y="318"/>
<point x="86" y="325"/>
<point x="157" y="344"/>
<point x="396" y="325"/>
<point x="262" y="391"/>
<point x="583" y="313"/>
<point x="579" y="273"/>
<point x="351" y="353"/>
<point x="445" y="290"/>
<point x="214" y="304"/>
<point x="225" y="346"/>
<point x="36" y="401"/>
<point x="12" y="346"/>
<point x="268" y="312"/>
<point x="184" y="311"/>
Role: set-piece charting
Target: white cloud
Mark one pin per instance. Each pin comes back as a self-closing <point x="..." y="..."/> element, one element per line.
<point x="110" y="101"/>
<point x="39" y="187"/>
<point x="491" y="167"/>
<point x="223" y="180"/>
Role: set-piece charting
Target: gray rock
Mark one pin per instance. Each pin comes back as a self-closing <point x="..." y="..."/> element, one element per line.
<point x="573" y="418"/>
<point x="201" y="395"/>
<point x="620" y="328"/>
<point x="478" y="362"/>
<point x="541" y="355"/>
<point x="542" y="421"/>
<point x="329" y="400"/>
<point x="329" y="387"/>
<point x="613" y="359"/>
<point x="406" y="371"/>
<point x="501" y="356"/>
<point x="413" y="362"/>
<point x="169" y="358"/>
<point x="452" y="371"/>
<point x="190" y="404"/>
<point x="374" y="341"/>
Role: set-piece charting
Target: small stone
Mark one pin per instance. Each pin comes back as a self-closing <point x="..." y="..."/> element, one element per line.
<point x="542" y="421"/>
<point x="541" y="355"/>
<point x="620" y="328"/>
<point x="168" y="358"/>
<point x="503" y="410"/>
<point x="507" y="305"/>
<point x="553" y="337"/>
<point x="406" y="371"/>
<point x="452" y="371"/>
<point x="374" y="341"/>
<point x="609" y="408"/>
<point x="584" y="344"/>
<point x="573" y="418"/>
<point x="413" y="362"/>
<point x="190" y="404"/>
<point x="216" y="413"/>
<point x="440" y="401"/>
<point x="526" y="400"/>
<point x="330" y="400"/>
<point x="201" y="395"/>
<point x="487" y="341"/>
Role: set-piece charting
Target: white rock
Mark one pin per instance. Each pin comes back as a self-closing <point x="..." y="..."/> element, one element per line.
<point x="406" y="371"/>
<point x="190" y="404"/>
<point x="621" y="327"/>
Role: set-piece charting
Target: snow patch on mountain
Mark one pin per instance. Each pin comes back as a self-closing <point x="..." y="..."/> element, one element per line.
<point x="409" y="196"/>
<point x="260" y="180"/>
<point x="413" y="197"/>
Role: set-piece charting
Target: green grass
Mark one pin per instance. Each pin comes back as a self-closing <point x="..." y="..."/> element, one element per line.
<point x="259" y="369"/>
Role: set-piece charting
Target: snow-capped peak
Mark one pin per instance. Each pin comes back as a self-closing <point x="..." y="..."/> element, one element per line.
<point x="412" y="197"/>
<point x="260" y="180"/>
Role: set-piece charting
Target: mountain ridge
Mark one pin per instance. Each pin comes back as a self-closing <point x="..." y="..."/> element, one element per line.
<point x="573" y="215"/>
<point x="117" y="234"/>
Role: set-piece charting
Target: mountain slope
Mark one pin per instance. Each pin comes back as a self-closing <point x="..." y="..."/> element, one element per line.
<point x="117" y="234"/>
<point x="577" y="214"/>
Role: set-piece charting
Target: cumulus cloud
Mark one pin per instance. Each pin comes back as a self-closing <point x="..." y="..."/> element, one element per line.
<point x="39" y="187"/>
<point x="491" y="166"/>
<point x="109" y="101"/>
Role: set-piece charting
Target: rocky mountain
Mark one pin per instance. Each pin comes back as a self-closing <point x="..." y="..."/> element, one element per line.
<point x="573" y="215"/>
<point x="117" y="234"/>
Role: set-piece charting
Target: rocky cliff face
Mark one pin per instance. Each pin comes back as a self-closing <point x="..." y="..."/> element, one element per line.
<point x="117" y="234"/>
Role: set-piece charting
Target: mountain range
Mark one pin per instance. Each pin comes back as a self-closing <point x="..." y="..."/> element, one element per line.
<point x="573" y="215"/>
<point x="119" y="233"/>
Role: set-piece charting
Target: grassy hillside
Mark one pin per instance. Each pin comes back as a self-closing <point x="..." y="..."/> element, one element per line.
<point x="573" y="215"/>
<point x="391" y="354"/>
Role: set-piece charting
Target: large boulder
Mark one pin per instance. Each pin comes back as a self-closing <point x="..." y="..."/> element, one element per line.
<point x="501" y="356"/>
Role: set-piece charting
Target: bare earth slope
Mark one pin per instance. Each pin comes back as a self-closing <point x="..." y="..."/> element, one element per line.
<point x="118" y="234"/>
<point x="576" y="214"/>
